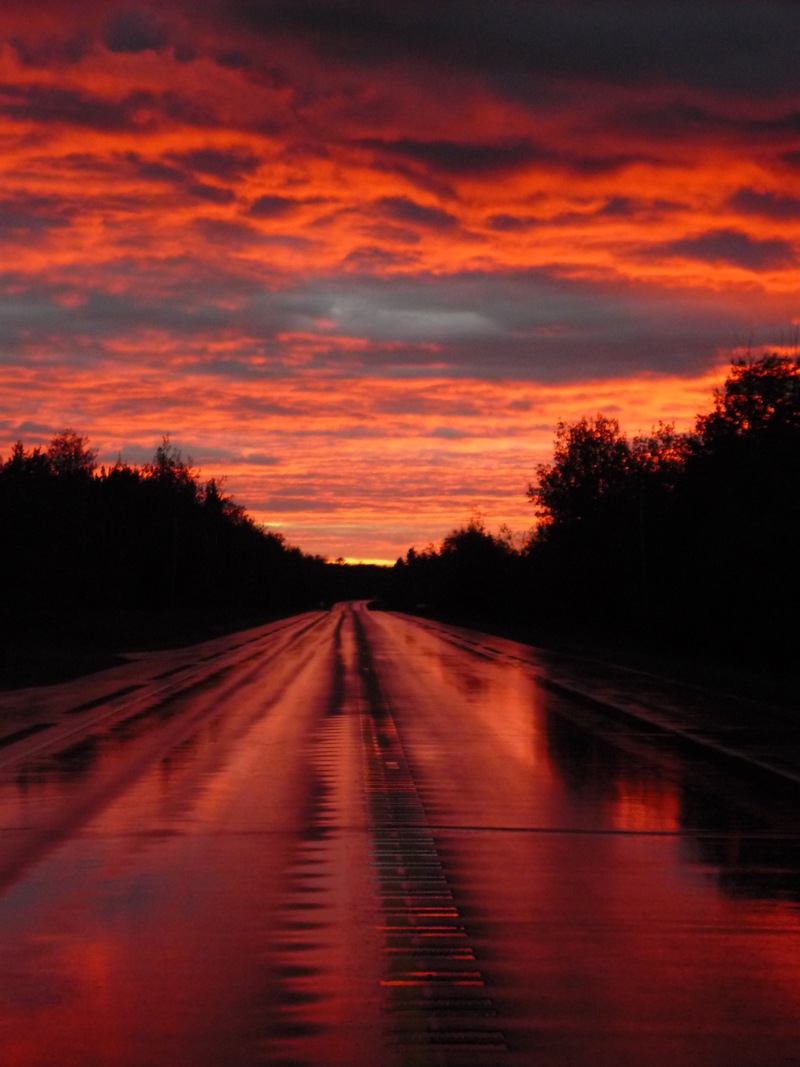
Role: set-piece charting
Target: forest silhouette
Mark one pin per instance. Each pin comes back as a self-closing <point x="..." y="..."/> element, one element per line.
<point x="688" y="543"/>
<point x="96" y="560"/>
<point x="685" y="542"/>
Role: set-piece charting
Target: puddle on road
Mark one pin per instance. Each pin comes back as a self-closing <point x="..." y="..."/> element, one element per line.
<point x="207" y="916"/>
<point x="545" y="889"/>
<point x="628" y="904"/>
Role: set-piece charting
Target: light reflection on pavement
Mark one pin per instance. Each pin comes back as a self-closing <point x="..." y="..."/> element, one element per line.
<point x="363" y="839"/>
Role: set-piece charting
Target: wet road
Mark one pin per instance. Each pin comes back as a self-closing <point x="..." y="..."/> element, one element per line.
<point x="355" y="838"/>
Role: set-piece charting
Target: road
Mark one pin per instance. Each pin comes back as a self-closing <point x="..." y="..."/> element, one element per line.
<point x="356" y="838"/>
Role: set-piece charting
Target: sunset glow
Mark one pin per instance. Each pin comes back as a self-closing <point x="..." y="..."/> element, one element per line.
<point x="360" y="258"/>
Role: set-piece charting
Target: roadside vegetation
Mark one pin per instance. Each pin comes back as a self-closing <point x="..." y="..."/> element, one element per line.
<point x="671" y="544"/>
<point x="684" y="543"/>
<point x="98" y="560"/>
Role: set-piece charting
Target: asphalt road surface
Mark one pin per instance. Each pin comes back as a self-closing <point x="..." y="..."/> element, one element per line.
<point x="356" y="838"/>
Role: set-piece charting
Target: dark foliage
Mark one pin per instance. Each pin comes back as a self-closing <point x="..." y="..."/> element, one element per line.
<point x="74" y="538"/>
<point x="83" y="550"/>
<point x="471" y="576"/>
<point x="738" y="513"/>
<point x="685" y="542"/>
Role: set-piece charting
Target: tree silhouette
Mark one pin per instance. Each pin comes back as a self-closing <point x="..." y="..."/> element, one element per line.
<point x="85" y="553"/>
<point x="69" y="455"/>
<point x="681" y="541"/>
<point x="739" y="510"/>
<point x="591" y="464"/>
<point x="168" y="468"/>
<point x="475" y="571"/>
<point x="689" y="539"/>
<point x="760" y="398"/>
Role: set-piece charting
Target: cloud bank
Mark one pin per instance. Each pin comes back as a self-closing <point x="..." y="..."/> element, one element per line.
<point x="290" y="233"/>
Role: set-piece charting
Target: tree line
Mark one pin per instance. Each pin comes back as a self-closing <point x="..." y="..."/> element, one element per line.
<point x="101" y="556"/>
<point x="685" y="541"/>
<point x="153" y="537"/>
<point x="688" y="541"/>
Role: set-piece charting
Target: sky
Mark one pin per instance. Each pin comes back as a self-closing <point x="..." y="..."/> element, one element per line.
<point x="360" y="256"/>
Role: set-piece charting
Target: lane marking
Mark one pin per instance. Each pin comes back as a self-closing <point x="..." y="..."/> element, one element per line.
<point x="436" y="991"/>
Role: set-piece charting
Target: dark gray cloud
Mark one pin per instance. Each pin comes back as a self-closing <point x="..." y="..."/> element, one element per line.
<point x="227" y="232"/>
<point x="733" y="47"/>
<point x="615" y="207"/>
<point x="463" y="157"/>
<point x="402" y="209"/>
<point x="263" y="407"/>
<point x="236" y="59"/>
<point x="71" y="107"/>
<point x="467" y="159"/>
<point x="766" y="205"/>
<point x="211" y="194"/>
<point x="52" y="50"/>
<point x="788" y="122"/>
<point x="134" y="31"/>
<point x="689" y="120"/>
<point x="734" y="247"/>
<point x="25" y="216"/>
<point x="30" y="427"/>
<point x="372" y="257"/>
<point x="72" y="320"/>
<point x="531" y="325"/>
<point x="448" y="433"/>
<point x="505" y="223"/>
<point x="292" y="503"/>
<point x="158" y="172"/>
<point x="203" y="455"/>
<point x="231" y="369"/>
<point x="273" y="207"/>
<point x="392" y="233"/>
<point x="154" y="170"/>
<point x="227" y="164"/>
<point x="48" y="104"/>
<point x="259" y="459"/>
<point x="620" y="207"/>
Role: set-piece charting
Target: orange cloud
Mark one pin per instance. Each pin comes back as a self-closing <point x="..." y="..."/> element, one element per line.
<point x="384" y="254"/>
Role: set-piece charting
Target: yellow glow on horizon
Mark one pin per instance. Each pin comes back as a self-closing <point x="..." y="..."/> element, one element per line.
<point x="355" y="562"/>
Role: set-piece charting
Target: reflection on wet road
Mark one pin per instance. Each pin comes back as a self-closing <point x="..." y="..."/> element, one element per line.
<point x="356" y="838"/>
